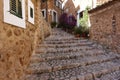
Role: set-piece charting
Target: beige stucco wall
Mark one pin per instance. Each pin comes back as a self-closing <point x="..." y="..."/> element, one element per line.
<point x="102" y="26"/>
<point x="18" y="44"/>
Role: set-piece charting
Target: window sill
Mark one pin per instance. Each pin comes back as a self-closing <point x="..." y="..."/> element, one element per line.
<point x="15" y="14"/>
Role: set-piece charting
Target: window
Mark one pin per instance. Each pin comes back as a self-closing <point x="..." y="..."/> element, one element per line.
<point x="59" y="4"/>
<point x="56" y="2"/>
<point x="81" y="14"/>
<point x="16" y="7"/>
<point x="44" y="13"/>
<point x="14" y="12"/>
<point x="54" y="16"/>
<point x="30" y="12"/>
<point x="43" y="0"/>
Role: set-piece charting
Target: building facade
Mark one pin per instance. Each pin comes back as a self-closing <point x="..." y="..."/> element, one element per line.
<point x="70" y="8"/>
<point x="21" y="27"/>
<point x="51" y="10"/>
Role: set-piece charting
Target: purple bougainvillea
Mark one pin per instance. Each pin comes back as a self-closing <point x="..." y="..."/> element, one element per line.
<point x="71" y="21"/>
<point x="66" y="21"/>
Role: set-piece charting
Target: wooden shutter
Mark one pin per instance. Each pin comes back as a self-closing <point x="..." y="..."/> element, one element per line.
<point x="20" y="7"/>
<point x="31" y="12"/>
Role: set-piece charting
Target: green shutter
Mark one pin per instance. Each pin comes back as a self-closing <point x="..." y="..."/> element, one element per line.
<point x="16" y="7"/>
<point x="31" y="12"/>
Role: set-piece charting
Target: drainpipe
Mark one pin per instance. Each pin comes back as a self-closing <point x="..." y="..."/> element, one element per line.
<point x="46" y="11"/>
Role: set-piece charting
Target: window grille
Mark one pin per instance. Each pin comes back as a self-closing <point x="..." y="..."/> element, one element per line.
<point x="16" y="7"/>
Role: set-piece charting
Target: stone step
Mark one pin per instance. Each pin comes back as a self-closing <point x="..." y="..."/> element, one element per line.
<point x="58" y="48"/>
<point x="59" y="38"/>
<point x="64" y="39"/>
<point x="69" y="42"/>
<point x="111" y="76"/>
<point x="64" y="45"/>
<point x="89" y="72"/>
<point x="55" y="65"/>
<point x="64" y="50"/>
<point x="69" y="55"/>
<point x="43" y="47"/>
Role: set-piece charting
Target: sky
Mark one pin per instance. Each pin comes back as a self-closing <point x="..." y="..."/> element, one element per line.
<point x="83" y="3"/>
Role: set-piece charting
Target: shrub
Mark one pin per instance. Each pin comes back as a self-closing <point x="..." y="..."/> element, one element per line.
<point x="53" y="24"/>
<point x="78" y="31"/>
<point x="82" y="31"/>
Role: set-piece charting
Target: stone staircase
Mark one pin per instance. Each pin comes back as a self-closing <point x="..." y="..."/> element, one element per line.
<point x="64" y="57"/>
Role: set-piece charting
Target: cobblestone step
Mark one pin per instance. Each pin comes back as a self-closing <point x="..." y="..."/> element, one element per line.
<point x="67" y="42"/>
<point x="54" y="38"/>
<point x="69" y="55"/>
<point x="64" y="57"/>
<point x="64" y="50"/>
<point x="65" y="45"/>
<point x="58" y="38"/>
<point x="69" y="39"/>
<point x="111" y="76"/>
<point x="54" y="65"/>
<point x="89" y="72"/>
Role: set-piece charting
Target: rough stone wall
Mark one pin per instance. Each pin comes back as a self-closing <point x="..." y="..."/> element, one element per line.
<point x="105" y="25"/>
<point x="18" y="44"/>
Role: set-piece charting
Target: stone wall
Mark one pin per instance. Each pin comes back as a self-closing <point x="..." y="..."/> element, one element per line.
<point x="105" y="25"/>
<point x="18" y="44"/>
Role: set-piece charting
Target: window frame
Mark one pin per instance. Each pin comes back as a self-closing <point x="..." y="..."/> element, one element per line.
<point x="11" y="18"/>
<point x="53" y="11"/>
<point x="44" y="10"/>
<point x="30" y="5"/>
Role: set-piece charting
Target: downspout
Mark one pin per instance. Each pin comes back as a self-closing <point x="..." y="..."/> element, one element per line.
<point x="46" y="10"/>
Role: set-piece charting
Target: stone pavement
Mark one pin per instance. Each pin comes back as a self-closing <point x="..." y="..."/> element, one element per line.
<point x="64" y="57"/>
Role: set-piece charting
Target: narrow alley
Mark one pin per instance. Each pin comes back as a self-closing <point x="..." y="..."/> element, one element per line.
<point x="63" y="57"/>
<point x="59" y="39"/>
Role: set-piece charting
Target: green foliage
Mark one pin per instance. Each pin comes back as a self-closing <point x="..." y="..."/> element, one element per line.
<point x="53" y="24"/>
<point x="84" y="20"/>
<point x="83" y="29"/>
<point x="78" y="30"/>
